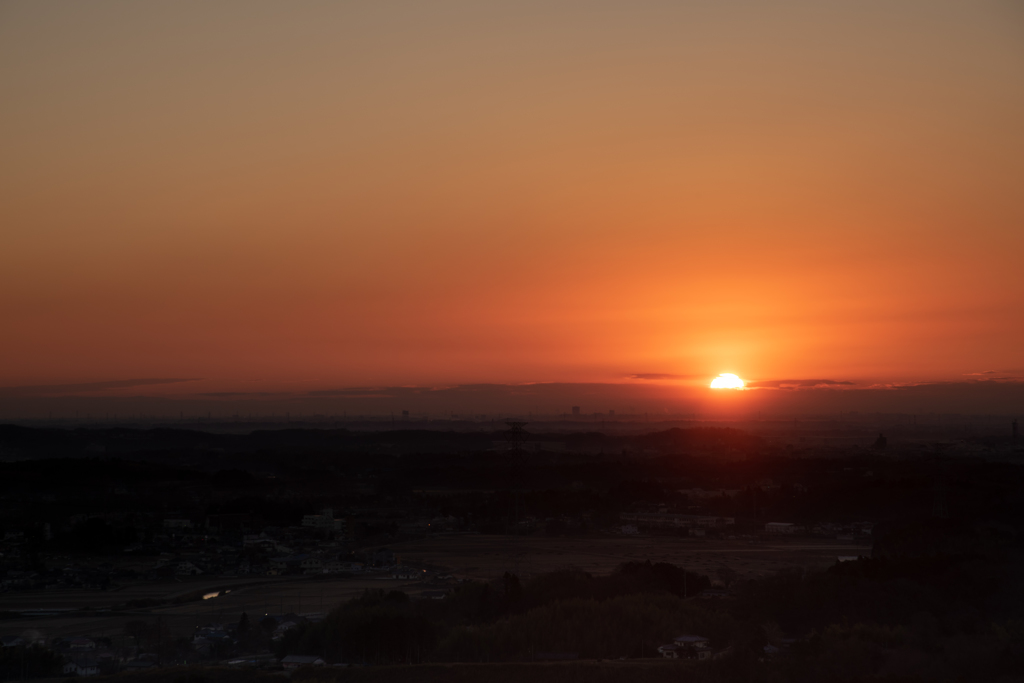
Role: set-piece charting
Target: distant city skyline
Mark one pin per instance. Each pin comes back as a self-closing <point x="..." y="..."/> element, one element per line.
<point x="625" y="400"/>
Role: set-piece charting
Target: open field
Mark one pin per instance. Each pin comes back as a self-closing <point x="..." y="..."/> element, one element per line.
<point x="168" y="590"/>
<point x="256" y="596"/>
<point x="473" y="556"/>
<point x="482" y="557"/>
<point x="586" y="671"/>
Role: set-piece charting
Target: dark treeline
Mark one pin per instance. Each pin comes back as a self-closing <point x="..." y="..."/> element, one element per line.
<point x="29" y="442"/>
<point x="132" y="478"/>
<point x="953" y="618"/>
<point x="384" y="627"/>
<point x="941" y="599"/>
<point x="20" y="663"/>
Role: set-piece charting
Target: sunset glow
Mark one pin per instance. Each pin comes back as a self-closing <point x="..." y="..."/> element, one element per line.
<point x="475" y="280"/>
<point x="392" y="194"/>
<point x="727" y="380"/>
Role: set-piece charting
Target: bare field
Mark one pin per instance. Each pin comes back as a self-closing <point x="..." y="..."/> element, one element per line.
<point x="255" y="596"/>
<point x="483" y="557"/>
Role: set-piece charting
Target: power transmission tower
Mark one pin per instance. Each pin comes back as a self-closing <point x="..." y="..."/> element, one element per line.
<point x="516" y="437"/>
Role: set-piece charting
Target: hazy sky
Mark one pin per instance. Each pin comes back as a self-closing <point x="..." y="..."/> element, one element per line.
<point x="266" y="195"/>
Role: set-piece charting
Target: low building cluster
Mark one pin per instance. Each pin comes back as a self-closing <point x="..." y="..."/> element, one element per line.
<point x="669" y="520"/>
<point x="687" y="647"/>
<point x="225" y="546"/>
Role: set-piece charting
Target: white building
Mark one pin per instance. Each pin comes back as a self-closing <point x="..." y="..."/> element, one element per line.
<point x="780" y="528"/>
<point x="313" y="565"/>
<point x="325" y="520"/>
<point x="82" y="666"/>
<point x="186" y="568"/>
<point x="338" y="566"/>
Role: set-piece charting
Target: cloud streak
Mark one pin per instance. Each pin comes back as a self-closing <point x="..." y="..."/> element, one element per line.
<point x="780" y="397"/>
<point x="85" y="388"/>
<point x="660" y="375"/>
<point x="797" y="383"/>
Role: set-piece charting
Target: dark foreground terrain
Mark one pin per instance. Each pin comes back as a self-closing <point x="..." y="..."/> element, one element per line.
<point x="704" y="555"/>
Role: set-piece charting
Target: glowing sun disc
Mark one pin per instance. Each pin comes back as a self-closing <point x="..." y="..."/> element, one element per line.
<point x="727" y="380"/>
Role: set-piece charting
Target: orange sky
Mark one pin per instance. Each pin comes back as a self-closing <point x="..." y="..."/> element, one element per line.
<point x="271" y="195"/>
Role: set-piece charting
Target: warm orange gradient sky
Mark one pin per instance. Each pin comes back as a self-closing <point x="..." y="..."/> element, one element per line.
<point x="270" y="195"/>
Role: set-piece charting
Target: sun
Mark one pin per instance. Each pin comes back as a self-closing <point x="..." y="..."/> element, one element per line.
<point x="727" y="380"/>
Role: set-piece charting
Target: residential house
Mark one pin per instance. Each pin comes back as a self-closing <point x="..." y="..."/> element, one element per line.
<point x="286" y="622"/>
<point x="82" y="665"/>
<point x="186" y="568"/>
<point x="406" y="574"/>
<point x="208" y="637"/>
<point x="81" y="643"/>
<point x="312" y="565"/>
<point x="338" y="566"/>
<point x="261" y="541"/>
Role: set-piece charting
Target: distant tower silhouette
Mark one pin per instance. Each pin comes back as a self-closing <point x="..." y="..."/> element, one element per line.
<point x="516" y="436"/>
<point x="1015" y="430"/>
<point x="880" y="442"/>
<point x="575" y="410"/>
